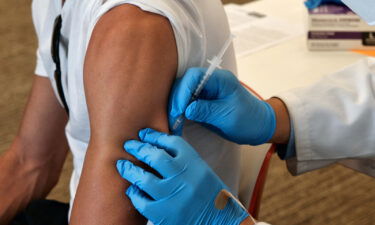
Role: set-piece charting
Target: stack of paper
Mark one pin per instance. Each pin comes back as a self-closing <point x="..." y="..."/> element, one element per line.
<point x="255" y="31"/>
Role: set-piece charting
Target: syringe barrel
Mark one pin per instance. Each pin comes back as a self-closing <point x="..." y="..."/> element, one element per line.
<point x="225" y="46"/>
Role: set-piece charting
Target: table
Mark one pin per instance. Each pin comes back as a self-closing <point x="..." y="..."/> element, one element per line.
<point x="289" y="64"/>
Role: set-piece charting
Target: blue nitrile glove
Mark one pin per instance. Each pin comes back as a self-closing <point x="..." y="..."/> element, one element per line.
<point x="224" y="106"/>
<point x="187" y="190"/>
<point x="312" y="4"/>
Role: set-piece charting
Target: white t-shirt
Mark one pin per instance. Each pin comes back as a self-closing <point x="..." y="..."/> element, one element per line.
<point x="200" y="28"/>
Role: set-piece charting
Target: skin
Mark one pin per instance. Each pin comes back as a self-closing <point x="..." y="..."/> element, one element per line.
<point x="31" y="167"/>
<point x="282" y="131"/>
<point x="129" y="69"/>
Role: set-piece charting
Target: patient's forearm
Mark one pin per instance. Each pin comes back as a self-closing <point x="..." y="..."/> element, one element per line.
<point x="32" y="165"/>
<point x="14" y="179"/>
<point x="22" y="181"/>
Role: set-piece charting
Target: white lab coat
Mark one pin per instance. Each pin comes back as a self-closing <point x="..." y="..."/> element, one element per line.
<point x="334" y="119"/>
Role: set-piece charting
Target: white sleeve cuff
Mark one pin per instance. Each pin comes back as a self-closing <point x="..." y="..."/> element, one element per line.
<point x="39" y="68"/>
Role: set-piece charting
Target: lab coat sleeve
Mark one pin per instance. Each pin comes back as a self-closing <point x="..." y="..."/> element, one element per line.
<point x="333" y="119"/>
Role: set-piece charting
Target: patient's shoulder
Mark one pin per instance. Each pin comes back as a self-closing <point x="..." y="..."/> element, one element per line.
<point x="128" y="20"/>
<point x="127" y="28"/>
<point x="126" y="36"/>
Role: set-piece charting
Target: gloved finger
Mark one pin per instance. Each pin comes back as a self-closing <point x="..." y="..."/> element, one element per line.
<point x="181" y="93"/>
<point x="207" y="111"/>
<point x="221" y="84"/>
<point x="139" y="199"/>
<point x="156" y="158"/>
<point x="146" y="181"/>
<point x="183" y="90"/>
<point x="171" y="144"/>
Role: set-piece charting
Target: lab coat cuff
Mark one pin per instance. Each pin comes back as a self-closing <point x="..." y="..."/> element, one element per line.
<point x="296" y="167"/>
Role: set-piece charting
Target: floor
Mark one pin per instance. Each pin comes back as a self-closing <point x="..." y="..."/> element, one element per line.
<point x="333" y="195"/>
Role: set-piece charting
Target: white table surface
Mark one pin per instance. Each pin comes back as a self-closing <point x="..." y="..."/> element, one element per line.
<point x="289" y="64"/>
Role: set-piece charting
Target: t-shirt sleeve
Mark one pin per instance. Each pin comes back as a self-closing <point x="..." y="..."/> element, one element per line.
<point x="185" y="21"/>
<point x="40" y="69"/>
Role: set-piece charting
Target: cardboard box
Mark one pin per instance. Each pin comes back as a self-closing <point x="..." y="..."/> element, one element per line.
<point x="336" y="27"/>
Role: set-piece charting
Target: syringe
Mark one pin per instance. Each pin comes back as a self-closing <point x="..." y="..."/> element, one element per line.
<point x="214" y="64"/>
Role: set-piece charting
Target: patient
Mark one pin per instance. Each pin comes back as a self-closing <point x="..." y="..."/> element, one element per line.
<point x="118" y="60"/>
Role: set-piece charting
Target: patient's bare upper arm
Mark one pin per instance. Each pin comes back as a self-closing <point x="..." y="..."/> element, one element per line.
<point x="129" y="69"/>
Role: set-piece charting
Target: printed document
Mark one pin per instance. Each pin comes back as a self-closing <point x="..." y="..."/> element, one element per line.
<point x="255" y="31"/>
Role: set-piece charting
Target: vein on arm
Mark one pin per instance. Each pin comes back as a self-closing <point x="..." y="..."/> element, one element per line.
<point x="130" y="66"/>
